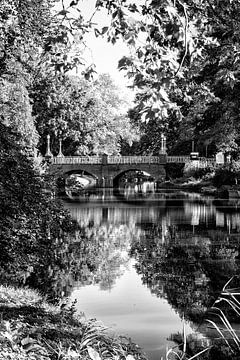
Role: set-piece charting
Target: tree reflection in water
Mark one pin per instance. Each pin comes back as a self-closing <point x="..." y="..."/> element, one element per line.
<point x="182" y="253"/>
<point x="189" y="275"/>
<point x="186" y="248"/>
<point x="190" y="264"/>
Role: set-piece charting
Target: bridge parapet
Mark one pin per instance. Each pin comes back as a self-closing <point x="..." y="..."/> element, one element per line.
<point x="126" y="160"/>
<point x="135" y="160"/>
<point x="178" y="159"/>
<point x="74" y="160"/>
<point x="203" y="161"/>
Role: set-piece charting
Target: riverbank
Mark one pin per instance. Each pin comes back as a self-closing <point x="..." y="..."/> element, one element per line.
<point x="200" y="186"/>
<point x="33" y="329"/>
<point x="204" y="187"/>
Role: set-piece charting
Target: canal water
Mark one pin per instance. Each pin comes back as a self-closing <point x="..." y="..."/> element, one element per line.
<point x="148" y="262"/>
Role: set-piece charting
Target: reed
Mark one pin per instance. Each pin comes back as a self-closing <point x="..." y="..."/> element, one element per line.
<point x="228" y="296"/>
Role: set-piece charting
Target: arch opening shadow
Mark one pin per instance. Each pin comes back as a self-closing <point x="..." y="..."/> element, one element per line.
<point x="73" y="182"/>
<point x="80" y="173"/>
<point x="132" y="175"/>
<point x="134" y="184"/>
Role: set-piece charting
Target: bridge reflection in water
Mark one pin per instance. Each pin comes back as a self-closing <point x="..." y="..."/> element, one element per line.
<point x="156" y="259"/>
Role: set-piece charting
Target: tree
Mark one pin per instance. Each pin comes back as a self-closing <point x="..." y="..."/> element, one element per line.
<point x="33" y="225"/>
<point x="165" y="37"/>
<point x="88" y="115"/>
<point x="16" y="110"/>
<point x="35" y="42"/>
<point x="219" y="78"/>
<point x="184" y="64"/>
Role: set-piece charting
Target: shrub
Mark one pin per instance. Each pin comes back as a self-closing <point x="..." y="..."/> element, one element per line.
<point x="227" y="175"/>
<point x="174" y="171"/>
<point x="33" y="225"/>
<point x="199" y="172"/>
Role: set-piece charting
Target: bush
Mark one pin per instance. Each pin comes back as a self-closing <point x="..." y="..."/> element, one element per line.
<point x="198" y="172"/>
<point x="34" y="226"/>
<point x="225" y="176"/>
<point x="174" y="171"/>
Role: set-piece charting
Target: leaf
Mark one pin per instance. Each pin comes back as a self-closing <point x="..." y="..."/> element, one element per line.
<point x="133" y="8"/>
<point x="27" y="340"/>
<point x="130" y="357"/>
<point x="94" y="355"/>
<point x="124" y="62"/>
<point x="172" y="11"/>
<point x="73" y="354"/>
<point x="8" y="336"/>
<point x="63" y="12"/>
<point x="97" y="32"/>
<point x="164" y="94"/>
<point x="104" y="30"/>
<point x="73" y="3"/>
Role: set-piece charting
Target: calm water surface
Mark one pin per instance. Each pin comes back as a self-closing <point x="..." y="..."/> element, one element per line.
<point x="147" y="262"/>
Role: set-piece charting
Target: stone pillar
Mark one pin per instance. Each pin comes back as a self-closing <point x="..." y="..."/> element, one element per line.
<point x="111" y="181"/>
<point x="192" y="146"/>
<point x="194" y="156"/>
<point x="103" y="181"/>
<point x="104" y="170"/>
<point x="219" y="157"/>
<point x="48" y="152"/>
<point x="163" y="149"/>
<point x="60" y="154"/>
<point x="228" y="158"/>
<point x="104" y="159"/>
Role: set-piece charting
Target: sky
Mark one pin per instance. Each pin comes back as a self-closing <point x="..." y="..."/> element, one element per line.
<point x="103" y="54"/>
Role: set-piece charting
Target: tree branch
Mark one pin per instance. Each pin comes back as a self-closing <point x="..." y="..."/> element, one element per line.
<point x="185" y="36"/>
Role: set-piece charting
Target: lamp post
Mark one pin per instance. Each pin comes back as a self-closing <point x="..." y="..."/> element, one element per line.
<point x="163" y="144"/>
<point x="192" y="145"/>
<point x="194" y="155"/>
<point x="48" y="152"/>
<point x="60" y="154"/>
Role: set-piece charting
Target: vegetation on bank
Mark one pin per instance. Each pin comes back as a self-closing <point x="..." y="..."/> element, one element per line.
<point x="212" y="179"/>
<point x="32" y="329"/>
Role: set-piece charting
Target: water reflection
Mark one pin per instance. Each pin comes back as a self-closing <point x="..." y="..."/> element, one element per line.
<point x="181" y="247"/>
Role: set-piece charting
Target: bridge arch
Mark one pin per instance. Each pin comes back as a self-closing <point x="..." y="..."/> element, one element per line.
<point x="118" y="175"/>
<point x="79" y="172"/>
<point x="156" y="171"/>
<point x="62" y="176"/>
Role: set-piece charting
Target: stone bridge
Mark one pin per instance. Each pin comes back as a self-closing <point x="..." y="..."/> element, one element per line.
<point x="106" y="169"/>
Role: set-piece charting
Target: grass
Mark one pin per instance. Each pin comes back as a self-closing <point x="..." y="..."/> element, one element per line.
<point x="228" y="299"/>
<point x="32" y="329"/>
<point x="224" y="309"/>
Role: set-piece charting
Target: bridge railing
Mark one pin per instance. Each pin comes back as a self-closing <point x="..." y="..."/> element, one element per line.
<point x="109" y="160"/>
<point x="126" y="160"/>
<point x="133" y="160"/>
<point x="183" y="159"/>
<point x="77" y="160"/>
<point x="178" y="159"/>
<point x="207" y="161"/>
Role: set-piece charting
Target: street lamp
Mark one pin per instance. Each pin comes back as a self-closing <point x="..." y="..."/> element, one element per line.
<point x="48" y="152"/>
<point x="163" y="144"/>
<point x="60" y="154"/>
